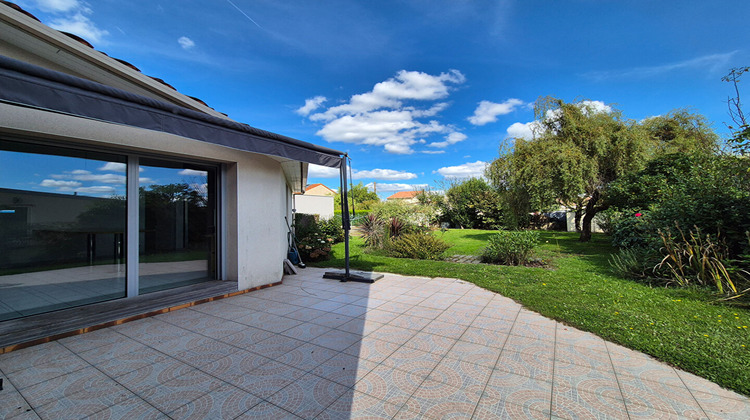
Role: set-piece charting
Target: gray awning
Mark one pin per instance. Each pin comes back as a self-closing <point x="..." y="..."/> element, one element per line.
<point x="33" y="86"/>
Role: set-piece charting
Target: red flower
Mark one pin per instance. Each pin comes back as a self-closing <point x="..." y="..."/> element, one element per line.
<point x="638" y="214"/>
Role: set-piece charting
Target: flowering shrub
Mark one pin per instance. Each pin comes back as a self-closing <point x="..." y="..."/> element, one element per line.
<point x="314" y="238"/>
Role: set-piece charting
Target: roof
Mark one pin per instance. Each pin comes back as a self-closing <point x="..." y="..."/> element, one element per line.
<point x="309" y="187"/>
<point x="404" y="195"/>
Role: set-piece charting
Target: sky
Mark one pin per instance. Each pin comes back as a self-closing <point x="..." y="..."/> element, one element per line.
<point x="422" y="92"/>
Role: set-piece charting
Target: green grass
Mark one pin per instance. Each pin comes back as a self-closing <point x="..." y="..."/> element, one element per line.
<point x="682" y="327"/>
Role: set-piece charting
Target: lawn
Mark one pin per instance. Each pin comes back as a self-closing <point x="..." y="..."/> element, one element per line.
<point x="682" y="327"/>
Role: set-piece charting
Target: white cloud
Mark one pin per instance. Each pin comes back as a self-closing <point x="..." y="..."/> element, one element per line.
<point x="58" y="6"/>
<point x="385" y="174"/>
<point x="79" y="24"/>
<point x="450" y="139"/>
<point x="488" y="112"/>
<point x="385" y="187"/>
<point x="432" y="152"/>
<point x="595" y="107"/>
<point x="192" y="172"/>
<point x="467" y="170"/>
<point x="317" y="171"/>
<point x="311" y="105"/>
<point x="186" y="43"/>
<point x="381" y="116"/>
<point x="523" y="130"/>
<point x="114" y="167"/>
<point x="98" y="189"/>
<point x="53" y="183"/>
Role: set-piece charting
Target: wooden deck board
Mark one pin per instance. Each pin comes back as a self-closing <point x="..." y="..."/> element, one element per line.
<point x="37" y="329"/>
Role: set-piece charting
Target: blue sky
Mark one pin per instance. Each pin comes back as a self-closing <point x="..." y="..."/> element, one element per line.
<point x="418" y="92"/>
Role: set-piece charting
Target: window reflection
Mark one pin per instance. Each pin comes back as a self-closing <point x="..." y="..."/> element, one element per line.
<point x="177" y="208"/>
<point x="62" y="225"/>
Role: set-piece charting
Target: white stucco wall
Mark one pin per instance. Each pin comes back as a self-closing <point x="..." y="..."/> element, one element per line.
<point x="255" y="192"/>
<point x="571" y="222"/>
<point x="314" y="204"/>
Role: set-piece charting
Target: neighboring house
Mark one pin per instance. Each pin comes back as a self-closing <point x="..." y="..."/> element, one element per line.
<point x="405" y="197"/>
<point x="113" y="184"/>
<point x="317" y="199"/>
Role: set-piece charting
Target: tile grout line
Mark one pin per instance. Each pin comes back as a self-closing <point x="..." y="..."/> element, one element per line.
<point x="554" y="362"/>
<point x="617" y="378"/>
<point x="691" y="392"/>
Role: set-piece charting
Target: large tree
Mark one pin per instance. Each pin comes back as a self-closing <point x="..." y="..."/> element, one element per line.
<point x="580" y="148"/>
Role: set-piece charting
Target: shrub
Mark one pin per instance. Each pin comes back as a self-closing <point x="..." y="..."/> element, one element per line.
<point x="409" y="213"/>
<point x="372" y="229"/>
<point x="472" y="204"/>
<point x="697" y="258"/>
<point x="634" y="263"/>
<point x="511" y="247"/>
<point x="314" y="237"/>
<point x="420" y="246"/>
<point x="333" y="228"/>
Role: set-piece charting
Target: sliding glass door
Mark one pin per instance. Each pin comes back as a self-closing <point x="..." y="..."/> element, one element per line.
<point x="177" y="217"/>
<point x="65" y="221"/>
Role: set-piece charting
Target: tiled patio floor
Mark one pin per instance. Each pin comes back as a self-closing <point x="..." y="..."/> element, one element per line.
<point x="403" y="347"/>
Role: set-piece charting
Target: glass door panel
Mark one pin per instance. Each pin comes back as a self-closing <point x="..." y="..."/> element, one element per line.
<point x="62" y="225"/>
<point x="177" y="224"/>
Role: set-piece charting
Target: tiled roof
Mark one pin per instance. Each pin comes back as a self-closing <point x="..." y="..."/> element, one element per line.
<point x="403" y="195"/>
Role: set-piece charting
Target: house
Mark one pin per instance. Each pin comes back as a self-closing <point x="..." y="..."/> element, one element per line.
<point x="317" y="199"/>
<point x="113" y="184"/>
<point x="405" y="197"/>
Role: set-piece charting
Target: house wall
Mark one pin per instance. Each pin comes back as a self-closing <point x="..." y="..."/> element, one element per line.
<point x="255" y="192"/>
<point x="314" y="204"/>
<point x="571" y="223"/>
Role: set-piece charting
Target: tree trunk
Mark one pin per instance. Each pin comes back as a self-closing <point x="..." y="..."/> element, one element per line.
<point x="588" y="217"/>
<point x="579" y="213"/>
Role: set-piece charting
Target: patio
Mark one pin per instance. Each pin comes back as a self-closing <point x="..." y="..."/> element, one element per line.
<point x="403" y="347"/>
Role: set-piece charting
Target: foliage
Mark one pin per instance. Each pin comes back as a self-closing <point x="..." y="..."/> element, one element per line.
<point x="696" y="258"/>
<point x="372" y="230"/>
<point x="358" y="194"/>
<point x="709" y="192"/>
<point x="511" y="247"/>
<point x="579" y="151"/>
<point x="418" y="245"/>
<point x="314" y="239"/>
<point x="409" y="213"/>
<point x="676" y="325"/>
<point x="333" y="228"/>
<point x="472" y="204"/>
<point x="740" y="128"/>
<point x="634" y="263"/>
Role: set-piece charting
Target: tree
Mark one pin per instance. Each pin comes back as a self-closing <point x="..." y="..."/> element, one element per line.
<point x="360" y="195"/>
<point x="581" y="148"/>
<point x="472" y="203"/>
<point x="740" y="129"/>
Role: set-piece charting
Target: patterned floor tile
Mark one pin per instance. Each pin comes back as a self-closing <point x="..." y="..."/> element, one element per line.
<point x="307" y="356"/>
<point x="356" y="405"/>
<point x="388" y="384"/>
<point x="371" y="349"/>
<point x="438" y="400"/>
<point x="344" y="369"/>
<point x="411" y="322"/>
<point x="38" y="373"/>
<point x="379" y="315"/>
<point x="587" y="397"/>
<point x="275" y="346"/>
<point x="83" y="385"/>
<point x="572" y="361"/>
<point x="147" y="378"/>
<point x="237" y="363"/>
<point x="431" y="343"/>
<point x="33" y="356"/>
<point x="305" y="314"/>
<point x="508" y="392"/>
<point x="208" y="325"/>
<point x="336" y="340"/>
<point x="308" y="396"/>
<point x="224" y="402"/>
<point x="206" y="354"/>
<point x="12" y="403"/>
<point x="424" y="312"/>
<point x="541" y="331"/>
<point x="246" y="337"/>
<point x="414" y="361"/>
<point x="643" y="397"/>
<point x="331" y="320"/>
<point x="510" y="411"/>
<point x="474" y="353"/>
<point x="503" y="325"/>
<point x="91" y="340"/>
<point x="182" y="390"/>
<point x="132" y="409"/>
<point x="445" y="329"/>
<point x="267" y="411"/>
<point x="265" y="380"/>
<point x="393" y="334"/>
<point x="484" y="337"/>
<point x="353" y="311"/>
<point x="543" y="349"/>
<point x="360" y="326"/>
<point x="461" y="374"/>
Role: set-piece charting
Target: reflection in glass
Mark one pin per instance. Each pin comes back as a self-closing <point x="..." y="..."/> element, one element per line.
<point x="177" y="208"/>
<point x="62" y="225"/>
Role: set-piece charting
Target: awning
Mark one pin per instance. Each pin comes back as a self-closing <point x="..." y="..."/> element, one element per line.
<point x="28" y="85"/>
